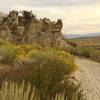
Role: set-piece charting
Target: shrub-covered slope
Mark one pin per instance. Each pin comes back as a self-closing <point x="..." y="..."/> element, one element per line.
<point x="45" y="69"/>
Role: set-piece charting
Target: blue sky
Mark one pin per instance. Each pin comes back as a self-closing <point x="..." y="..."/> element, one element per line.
<point x="79" y="16"/>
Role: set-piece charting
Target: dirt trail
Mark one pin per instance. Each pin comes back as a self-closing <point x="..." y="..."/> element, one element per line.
<point x="89" y="75"/>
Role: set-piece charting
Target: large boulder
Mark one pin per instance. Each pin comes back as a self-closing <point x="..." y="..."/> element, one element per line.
<point x="26" y="28"/>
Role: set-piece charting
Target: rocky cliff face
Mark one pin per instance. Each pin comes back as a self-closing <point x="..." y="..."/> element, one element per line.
<point x="26" y="28"/>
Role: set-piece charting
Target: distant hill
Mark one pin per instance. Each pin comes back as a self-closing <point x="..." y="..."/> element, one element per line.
<point x="71" y="36"/>
<point x="87" y="41"/>
<point x="78" y="36"/>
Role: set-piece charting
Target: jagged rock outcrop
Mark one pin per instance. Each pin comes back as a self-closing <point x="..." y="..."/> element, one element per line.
<point x="26" y="28"/>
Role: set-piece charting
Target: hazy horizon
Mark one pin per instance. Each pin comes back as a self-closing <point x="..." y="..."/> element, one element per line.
<point x="79" y="17"/>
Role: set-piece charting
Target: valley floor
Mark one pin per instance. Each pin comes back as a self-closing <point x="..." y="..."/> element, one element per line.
<point x="89" y="75"/>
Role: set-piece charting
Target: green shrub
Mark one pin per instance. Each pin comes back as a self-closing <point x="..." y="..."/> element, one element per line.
<point x="72" y="50"/>
<point x="88" y="52"/>
<point x="81" y="51"/>
<point x="95" y="55"/>
<point x="46" y="69"/>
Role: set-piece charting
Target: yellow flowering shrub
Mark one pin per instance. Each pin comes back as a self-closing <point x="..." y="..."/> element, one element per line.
<point x="8" y="53"/>
<point x="66" y="57"/>
<point x="46" y="69"/>
<point x="28" y="47"/>
<point x="43" y="68"/>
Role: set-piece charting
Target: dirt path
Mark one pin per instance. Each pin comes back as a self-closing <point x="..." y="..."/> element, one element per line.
<point x="89" y="75"/>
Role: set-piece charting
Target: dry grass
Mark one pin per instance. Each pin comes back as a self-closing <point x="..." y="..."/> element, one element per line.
<point x="12" y="91"/>
<point x="94" y="41"/>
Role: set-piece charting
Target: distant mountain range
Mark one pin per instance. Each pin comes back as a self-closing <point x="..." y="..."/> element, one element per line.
<point x="79" y="36"/>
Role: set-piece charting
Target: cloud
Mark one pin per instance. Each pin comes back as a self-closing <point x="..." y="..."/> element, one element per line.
<point x="42" y="3"/>
<point x="79" y="16"/>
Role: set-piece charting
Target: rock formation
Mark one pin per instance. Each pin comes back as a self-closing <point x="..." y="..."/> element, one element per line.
<point x="26" y="28"/>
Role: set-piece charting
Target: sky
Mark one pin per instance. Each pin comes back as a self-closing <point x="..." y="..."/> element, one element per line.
<point x="78" y="16"/>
